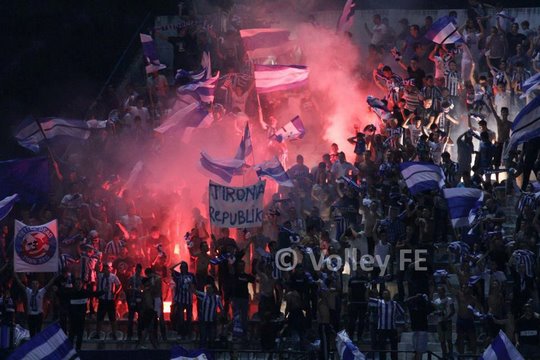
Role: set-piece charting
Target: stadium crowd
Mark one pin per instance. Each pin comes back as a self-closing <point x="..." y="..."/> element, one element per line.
<point x="449" y="105"/>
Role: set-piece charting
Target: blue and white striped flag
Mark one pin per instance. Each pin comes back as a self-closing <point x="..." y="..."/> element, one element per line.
<point x="273" y="169"/>
<point x="191" y="76"/>
<point x="346" y="348"/>
<point x="7" y="204"/>
<point x="444" y="31"/>
<point x="532" y="83"/>
<point x="293" y="130"/>
<point x="246" y="146"/>
<point x="224" y="169"/>
<point x="270" y="78"/>
<point x="501" y="348"/>
<point x="421" y="176"/>
<point x="30" y="135"/>
<point x="188" y="118"/>
<point x="150" y="54"/>
<point x="463" y="204"/>
<point x="180" y="353"/>
<point x="203" y="89"/>
<point x="526" y="125"/>
<point x="51" y="344"/>
<point x="261" y="43"/>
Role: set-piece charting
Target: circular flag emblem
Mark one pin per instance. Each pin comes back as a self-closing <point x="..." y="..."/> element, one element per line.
<point x="35" y="245"/>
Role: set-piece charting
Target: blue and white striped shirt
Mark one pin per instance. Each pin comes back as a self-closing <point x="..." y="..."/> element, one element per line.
<point x="386" y="311"/>
<point x="208" y="306"/>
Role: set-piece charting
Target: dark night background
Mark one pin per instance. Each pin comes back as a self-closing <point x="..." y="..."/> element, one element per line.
<point x="57" y="54"/>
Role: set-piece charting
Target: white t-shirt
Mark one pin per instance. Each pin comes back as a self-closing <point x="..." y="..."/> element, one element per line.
<point x="379" y="34"/>
<point x="34" y="302"/>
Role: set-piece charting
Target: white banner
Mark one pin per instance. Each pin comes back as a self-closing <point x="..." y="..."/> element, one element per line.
<point x="233" y="207"/>
<point x="35" y="248"/>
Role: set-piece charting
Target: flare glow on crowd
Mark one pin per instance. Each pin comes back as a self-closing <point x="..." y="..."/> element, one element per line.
<point x="244" y="136"/>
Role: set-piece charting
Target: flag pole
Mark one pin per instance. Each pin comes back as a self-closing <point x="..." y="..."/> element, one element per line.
<point x="54" y="163"/>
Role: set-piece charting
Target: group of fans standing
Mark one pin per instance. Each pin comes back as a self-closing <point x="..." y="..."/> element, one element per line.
<point x="117" y="258"/>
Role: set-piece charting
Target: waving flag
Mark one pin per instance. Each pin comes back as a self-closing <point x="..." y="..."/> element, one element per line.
<point x="180" y="353"/>
<point x="463" y="204"/>
<point x="7" y="204"/>
<point x="293" y="130"/>
<point x="27" y="177"/>
<point x="51" y="344"/>
<point x="420" y="176"/>
<point x="261" y="43"/>
<point x="192" y="116"/>
<point x="526" y="125"/>
<point x="530" y="85"/>
<point x="203" y="89"/>
<point x="30" y="135"/>
<point x="501" y="348"/>
<point x="444" y="31"/>
<point x="346" y="19"/>
<point x="224" y="169"/>
<point x="246" y="146"/>
<point x="192" y="76"/>
<point x="150" y="55"/>
<point x="270" y="78"/>
<point x="274" y="170"/>
<point x="379" y="107"/>
<point x="346" y="348"/>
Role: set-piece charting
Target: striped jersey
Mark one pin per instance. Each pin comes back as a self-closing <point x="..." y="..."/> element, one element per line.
<point x="527" y="199"/>
<point x="109" y="285"/>
<point x="386" y="313"/>
<point x="88" y="268"/>
<point x="451" y="81"/>
<point x="183" y="285"/>
<point x="412" y="100"/>
<point x="208" y="306"/>
<point x="113" y="247"/>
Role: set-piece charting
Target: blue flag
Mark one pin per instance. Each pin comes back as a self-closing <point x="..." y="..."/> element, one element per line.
<point x="444" y="31"/>
<point x="180" y="353"/>
<point x="246" y="146"/>
<point x="27" y="177"/>
<point x="7" y="204"/>
<point x="51" y="344"/>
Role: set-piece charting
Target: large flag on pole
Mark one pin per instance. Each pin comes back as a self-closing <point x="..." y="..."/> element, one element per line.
<point x="273" y="169"/>
<point x="293" y="130"/>
<point x="246" y="146"/>
<point x="270" y="78"/>
<point x="150" y="54"/>
<point x="526" y="125"/>
<point x="188" y="118"/>
<point x="463" y="204"/>
<point x="51" y="344"/>
<point x="7" y="204"/>
<point x="204" y="89"/>
<point x="346" y="19"/>
<point x="261" y="43"/>
<point x="501" y="348"/>
<point x="444" y="31"/>
<point x="30" y="135"/>
<point x="27" y="177"/>
<point x="224" y="169"/>
<point x="420" y="176"/>
<point x="346" y="348"/>
<point x="35" y="248"/>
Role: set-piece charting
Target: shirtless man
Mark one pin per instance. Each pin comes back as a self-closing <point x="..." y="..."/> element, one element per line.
<point x="465" y="327"/>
